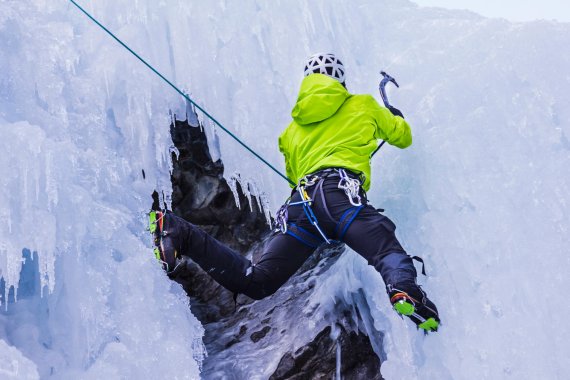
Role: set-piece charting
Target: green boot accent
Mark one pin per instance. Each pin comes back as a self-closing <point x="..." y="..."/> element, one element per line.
<point x="152" y="222"/>
<point x="157" y="253"/>
<point x="429" y="325"/>
<point x="153" y="228"/>
<point x="404" y="308"/>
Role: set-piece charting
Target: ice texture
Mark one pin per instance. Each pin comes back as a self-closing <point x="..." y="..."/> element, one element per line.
<point x="82" y="295"/>
<point x="482" y="194"/>
<point x="14" y="365"/>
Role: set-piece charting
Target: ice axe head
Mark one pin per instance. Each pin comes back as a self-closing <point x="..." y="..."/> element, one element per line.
<point x="385" y="80"/>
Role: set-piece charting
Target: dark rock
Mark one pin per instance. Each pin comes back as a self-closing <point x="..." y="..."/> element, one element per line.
<point x="258" y="335"/>
<point x="357" y="359"/>
<point x="202" y="196"/>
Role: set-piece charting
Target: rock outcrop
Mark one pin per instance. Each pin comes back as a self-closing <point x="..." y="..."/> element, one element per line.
<point x="258" y="339"/>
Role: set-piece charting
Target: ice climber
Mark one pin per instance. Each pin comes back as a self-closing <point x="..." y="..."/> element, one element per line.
<point x="327" y="148"/>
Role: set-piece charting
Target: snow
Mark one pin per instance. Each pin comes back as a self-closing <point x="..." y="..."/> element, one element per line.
<point x="482" y="194"/>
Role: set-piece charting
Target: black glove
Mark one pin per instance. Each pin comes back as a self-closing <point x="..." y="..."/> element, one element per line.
<point x="395" y="111"/>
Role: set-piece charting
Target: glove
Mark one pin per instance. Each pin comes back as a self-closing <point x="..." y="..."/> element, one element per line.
<point x="395" y="111"/>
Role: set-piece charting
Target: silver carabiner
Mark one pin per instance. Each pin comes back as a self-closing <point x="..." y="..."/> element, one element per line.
<point x="351" y="187"/>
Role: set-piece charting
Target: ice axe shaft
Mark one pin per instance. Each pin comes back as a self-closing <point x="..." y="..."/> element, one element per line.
<point x="385" y="80"/>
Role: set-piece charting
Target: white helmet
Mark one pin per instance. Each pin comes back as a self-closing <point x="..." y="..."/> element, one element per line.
<point x="325" y="63"/>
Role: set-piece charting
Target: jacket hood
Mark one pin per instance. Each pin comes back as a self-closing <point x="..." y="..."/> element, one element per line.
<point x="319" y="98"/>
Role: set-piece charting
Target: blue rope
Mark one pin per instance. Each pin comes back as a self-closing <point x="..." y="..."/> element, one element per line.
<point x="181" y="93"/>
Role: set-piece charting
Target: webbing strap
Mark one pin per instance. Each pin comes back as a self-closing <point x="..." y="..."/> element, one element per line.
<point x="321" y="191"/>
<point x="346" y="220"/>
<point x="304" y="236"/>
<point x="309" y="212"/>
<point x="417" y="258"/>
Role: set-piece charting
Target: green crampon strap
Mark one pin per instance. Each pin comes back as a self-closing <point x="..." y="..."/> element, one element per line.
<point x="157" y="253"/>
<point x="153" y="227"/>
<point x="429" y="325"/>
<point x="152" y="222"/>
<point x="404" y="308"/>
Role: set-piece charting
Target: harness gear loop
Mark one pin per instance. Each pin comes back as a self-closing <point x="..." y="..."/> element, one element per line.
<point x="419" y="259"/>
<point x="351" y="187"/>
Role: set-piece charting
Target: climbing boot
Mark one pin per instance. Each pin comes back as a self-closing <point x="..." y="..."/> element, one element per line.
<point x="412" y="302"/>
<point x="166" y="242"/>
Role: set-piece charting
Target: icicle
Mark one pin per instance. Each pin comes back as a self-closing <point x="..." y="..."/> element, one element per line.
<point x="174" y="149"/>
<point x="262" y="201"/>
<point x="265" y="207"/>
<point x="172" y="117"/>
<point x="232" y="183"/>
<point x="213" y="139"/>
<point x="338" y="360"/>
<point x="250" y="190"/>
<point x="191" y="115"/>
<point x="51" y="183"/>
<point x="334" y="335"/>
<point x="106" y="78"/>
<point x="246" y="187"/>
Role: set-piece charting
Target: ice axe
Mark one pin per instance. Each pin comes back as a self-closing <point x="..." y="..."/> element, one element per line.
<point x="385" y="80"/>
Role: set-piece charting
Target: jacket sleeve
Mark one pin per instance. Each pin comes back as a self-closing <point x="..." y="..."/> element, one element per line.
<point x="392" y="129"/>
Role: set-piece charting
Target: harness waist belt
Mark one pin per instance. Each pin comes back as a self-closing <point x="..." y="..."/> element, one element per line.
<point x="333" y="172"/>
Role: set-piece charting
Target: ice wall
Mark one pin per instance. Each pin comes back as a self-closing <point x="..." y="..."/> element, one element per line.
<point x="80" y="121"/>
<point x="482" y="194"/>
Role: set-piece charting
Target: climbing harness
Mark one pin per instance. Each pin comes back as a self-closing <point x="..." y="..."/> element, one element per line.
<point x="182" y="93"/>
<point x="351" y="187"/>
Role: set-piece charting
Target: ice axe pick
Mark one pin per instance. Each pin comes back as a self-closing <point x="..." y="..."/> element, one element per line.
<point x="385" y="80"/>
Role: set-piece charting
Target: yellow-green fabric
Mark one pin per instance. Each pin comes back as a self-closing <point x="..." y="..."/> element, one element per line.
<point x="333" y="128"/>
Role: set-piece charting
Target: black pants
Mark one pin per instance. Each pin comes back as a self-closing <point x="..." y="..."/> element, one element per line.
<point x="370" y="234"/>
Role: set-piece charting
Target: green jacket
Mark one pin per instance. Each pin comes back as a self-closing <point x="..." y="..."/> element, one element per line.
<point x="333" y="128"/>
